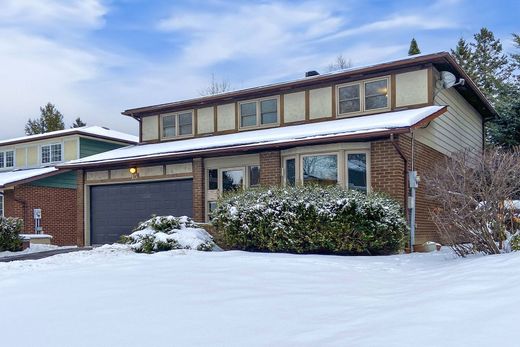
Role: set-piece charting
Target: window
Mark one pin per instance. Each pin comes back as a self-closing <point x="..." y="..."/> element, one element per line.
<point x="376" y="94"/>
<point x="212" y="205"/>
<point x="357" y="171"/>
<point x="320" y="169"/>
<point x="232" y="180"/>
<point x="51" y="153"/>
<point x="349" y="99"/>
<point x="180" y="124"/>
<point x="1" y="205"/>
<point x="290" y="172"/>
<point x="6" y="159"/>
<point x="254" y="176"/>
<point x="213" y="179"/>
<point x="258" y="113"/>
<point x="363" y="96"/>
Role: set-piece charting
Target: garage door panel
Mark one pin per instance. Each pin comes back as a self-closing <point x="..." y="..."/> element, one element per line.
<point x="117" y="209"/>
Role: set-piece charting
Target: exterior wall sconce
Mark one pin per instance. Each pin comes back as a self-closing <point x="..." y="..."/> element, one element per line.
<point x="133" y="172"/>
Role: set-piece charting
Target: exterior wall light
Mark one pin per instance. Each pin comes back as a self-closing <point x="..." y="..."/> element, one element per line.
<point x="133" y="170"/>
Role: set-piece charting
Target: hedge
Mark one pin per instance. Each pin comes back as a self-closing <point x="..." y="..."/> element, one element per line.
<point x="10" y="229"/>
<point x="310" y="219"/>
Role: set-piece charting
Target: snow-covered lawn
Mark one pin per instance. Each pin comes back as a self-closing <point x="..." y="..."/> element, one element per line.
<point x="112" y="297"/>
<point x="35" y="248"/>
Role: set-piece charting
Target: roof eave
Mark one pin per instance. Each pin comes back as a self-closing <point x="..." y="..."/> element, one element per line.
<point x="34" y="178"/>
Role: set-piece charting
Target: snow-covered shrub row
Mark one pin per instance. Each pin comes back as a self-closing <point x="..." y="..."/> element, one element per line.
<point x="164" y="233"/>
<point x="311" y="219"/>
<point x="10" y="229"/>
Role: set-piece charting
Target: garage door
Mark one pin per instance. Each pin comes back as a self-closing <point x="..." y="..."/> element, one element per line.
<point x="117" y="209"/>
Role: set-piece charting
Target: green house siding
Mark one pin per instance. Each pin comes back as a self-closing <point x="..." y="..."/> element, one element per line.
<point x="88" y="147"/>
<point x="64" y="180"/>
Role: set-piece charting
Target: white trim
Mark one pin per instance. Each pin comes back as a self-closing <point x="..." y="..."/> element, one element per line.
<point x="51" y="162"/>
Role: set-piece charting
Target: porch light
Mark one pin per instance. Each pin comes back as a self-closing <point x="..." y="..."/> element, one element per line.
<point x="133" y="170"/>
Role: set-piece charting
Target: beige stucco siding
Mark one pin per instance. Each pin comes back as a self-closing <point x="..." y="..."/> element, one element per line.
<point x="20" y="157"/>
<point x="150" y="128"/>
<point x="294" y="107"/>
<point x="205" y="120"/>
<point x="226" y="117"/>
<point x="458" y="129"/>
<point x="32" y="156"/>
<point x="320" y="103"/>
<point x="411" y="88"/>
<point x="70" y="150"/>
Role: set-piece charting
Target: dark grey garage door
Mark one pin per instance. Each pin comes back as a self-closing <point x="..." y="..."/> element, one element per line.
<point x="117" y="209"/>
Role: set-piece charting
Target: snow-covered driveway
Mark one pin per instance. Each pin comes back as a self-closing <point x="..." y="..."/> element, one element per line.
<point x="111" y="297"/>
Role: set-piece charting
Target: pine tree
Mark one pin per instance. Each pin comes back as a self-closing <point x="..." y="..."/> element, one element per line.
<point x="516" y="56"/>
<point x="414" y="48"/>
<point x="463" y="54"/>
<point x="50" y="120"/>
<point x="78" y="123"/>
<point x="504" y="130"/>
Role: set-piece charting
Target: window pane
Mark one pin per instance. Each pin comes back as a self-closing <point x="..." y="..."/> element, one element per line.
<point x="185" y="124"/>
<point x="290" y="172"/>
<point x="349" y="92"/>
<point x="213" y="179"/>
<point x="55" y="153"/>
<point x="321" y="169"/>
<point x="376" y="94"/>
<point x="349" y="106"/>
<point x="2" y="163"/>
<point x="46" y="154"/>
<point x="212" y="205"/>
<point x="254" y="176"/>
<point x="357" y="171"/>
<point x="9" y="159"/>
<point x="169" y="126"/>
<point x="1" y="205"/>
<point x="269" y="111"/>
<point x="232" y="180"/>
<point x="248" y="114"/>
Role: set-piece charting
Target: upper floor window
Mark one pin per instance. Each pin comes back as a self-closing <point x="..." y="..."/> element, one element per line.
<point x="363" y="96"/>
<point x="179" y="124"/>
<point x="259" y="112"/>
<point x="6" y="159"/>
<point x="51" y="153"/>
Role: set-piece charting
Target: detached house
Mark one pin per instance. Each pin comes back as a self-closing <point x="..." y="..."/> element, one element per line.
<point x="362" y="128"/>
<point x="29" y="179"/>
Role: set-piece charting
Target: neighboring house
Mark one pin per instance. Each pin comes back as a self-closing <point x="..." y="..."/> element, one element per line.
<point x="29" y="179"/>
<point x="362" y="128"/>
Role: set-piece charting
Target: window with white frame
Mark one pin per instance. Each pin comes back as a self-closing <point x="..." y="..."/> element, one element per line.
<point x="320" y="169"/>
<point x="357" y="171"/>
<point x="6" y="159"/>
<point x="51" y="153"/>
<point x="365" y="96"/>
<point x="259" y="112"/>
<point x="178" y="124"/>
<point x="1" y="205"/>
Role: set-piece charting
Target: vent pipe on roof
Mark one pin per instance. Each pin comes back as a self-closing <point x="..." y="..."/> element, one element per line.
<point x="311" y="73"/>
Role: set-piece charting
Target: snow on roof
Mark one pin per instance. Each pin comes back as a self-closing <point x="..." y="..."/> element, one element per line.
<point x="95" y="131"/>
<point x="9" y="177"/>
<point x="278" y="135"/>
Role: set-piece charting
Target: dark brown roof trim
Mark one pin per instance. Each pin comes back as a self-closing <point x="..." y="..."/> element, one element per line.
<point x="34" y="178"/>
<point x="442" y="57"/>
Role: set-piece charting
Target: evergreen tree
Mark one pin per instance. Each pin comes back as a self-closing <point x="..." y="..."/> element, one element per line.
<point x="78" y="123"/>
<point x="504" y="131"/>
<point x="464" y="56"/>
<point x="414" y="48"/>
<point x="50" y="120"/>
<point x="516" y="56"/>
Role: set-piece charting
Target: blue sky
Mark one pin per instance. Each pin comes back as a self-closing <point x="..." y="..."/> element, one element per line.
<point x="95" y="58"/>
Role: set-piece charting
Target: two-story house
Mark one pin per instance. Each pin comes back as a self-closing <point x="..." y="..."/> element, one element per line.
<point x="29" y="179"/>
<point x="362" y="128"/>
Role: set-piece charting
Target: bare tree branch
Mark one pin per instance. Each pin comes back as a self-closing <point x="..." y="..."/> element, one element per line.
<point x="215" y="87"/>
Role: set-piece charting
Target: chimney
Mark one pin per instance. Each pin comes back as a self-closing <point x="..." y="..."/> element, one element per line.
<point x="311" y="73"/>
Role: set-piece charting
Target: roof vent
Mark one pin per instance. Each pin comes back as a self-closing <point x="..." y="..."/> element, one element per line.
<point x="311" y="73"/>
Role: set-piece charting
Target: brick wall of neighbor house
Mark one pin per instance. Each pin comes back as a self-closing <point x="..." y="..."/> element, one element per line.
<point x="388" y="177"/>
<point x="198" y="190"/>
<point x="80" y="208"/>
<point x="58" y="210"/>
<point x="270" y="168"/>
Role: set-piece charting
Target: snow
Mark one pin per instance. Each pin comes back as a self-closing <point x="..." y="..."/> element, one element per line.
<point x="9" y="177"/>
<point x="35" y="236"/>
<point x="35" y="248"/>
<point x="329" y="129"/>
<point x="113" y="297"/>
<point x="86" y="130"/>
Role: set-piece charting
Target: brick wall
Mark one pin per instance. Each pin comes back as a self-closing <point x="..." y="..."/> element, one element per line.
<point x="387" y="170"/>
<point x="199" y="200"/>
<point x="270" y="168"/>
<point x="58" y="207"/>
<point x="80" y="208"/>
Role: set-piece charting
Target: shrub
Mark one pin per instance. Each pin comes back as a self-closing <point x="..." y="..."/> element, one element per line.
<point x="10" y="229"/>
<point x="310" y="219"/>
<point x="165" y="233"/>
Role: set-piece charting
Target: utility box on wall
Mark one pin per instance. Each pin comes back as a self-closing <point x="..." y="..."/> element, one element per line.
<point x="38" y="220"/>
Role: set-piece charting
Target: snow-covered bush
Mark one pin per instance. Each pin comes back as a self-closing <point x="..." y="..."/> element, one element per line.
<point x="164" y="233"/>
<point x="515" y="242"/>
<point x="10" y="229"/>
<point x="310" y="219"/>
